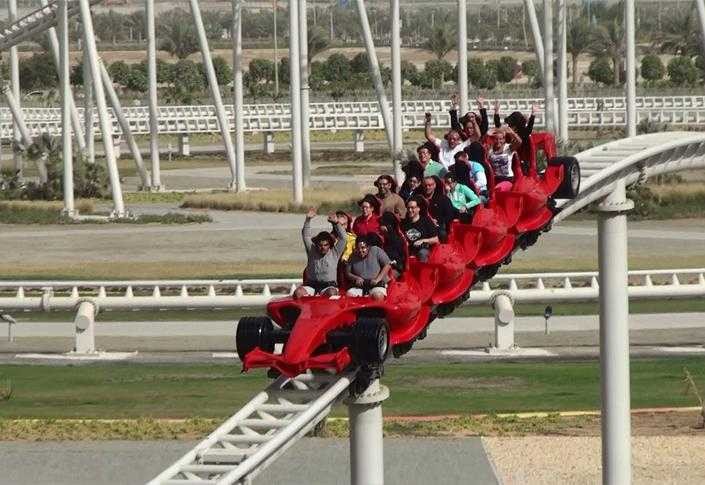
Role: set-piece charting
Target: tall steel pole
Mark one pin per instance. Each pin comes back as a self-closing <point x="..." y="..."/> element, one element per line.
<point x="630" y="84"/>
<point x="238" y="95"/>
<point x="396" y="90"/>
<point x="366" y="438"/>
<point x="295" y="96"/>
<point x="701" y="17"/>
<point x="563" y="70"/>
<point x="305" y="114"/>
<point x="549" y="104"/>
<point x="106" y="126"/>
<point x="67" y="155"/>
<point x="375" y="73"/>
<point x="75" y="119"/>
<point x="463" y="55"/>
<point x="276" y="54"/>
<point x="15" y="83"/>
<point x="152" y="92"/>
<point x="215" y="92"/>
<point x="614" y="337"/>
<point x="535" y="32"/>
<point x="88" y="131"/>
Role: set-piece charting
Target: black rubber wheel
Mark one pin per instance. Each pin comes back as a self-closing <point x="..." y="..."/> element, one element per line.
<point x="570" y="186"/>
<point x="487" y="272"/>
<point x="529" y="239"/>
<point x="254" y="332"/>
<point x="370" y="342"/>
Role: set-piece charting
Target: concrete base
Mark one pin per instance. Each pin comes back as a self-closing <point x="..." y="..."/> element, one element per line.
<point x="184" y="146"/>
<point x="268" y="143"/>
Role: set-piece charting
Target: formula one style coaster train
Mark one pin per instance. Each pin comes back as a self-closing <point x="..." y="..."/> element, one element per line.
<point x="340" y="332"/>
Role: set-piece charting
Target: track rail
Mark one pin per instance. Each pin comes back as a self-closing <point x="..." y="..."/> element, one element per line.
<point x="259" y="432"/>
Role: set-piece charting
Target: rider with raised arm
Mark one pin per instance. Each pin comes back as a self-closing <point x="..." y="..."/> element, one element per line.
<point x="323" y="252"/>
<point x="470" y="126"/>
<point x="447" y="147"/>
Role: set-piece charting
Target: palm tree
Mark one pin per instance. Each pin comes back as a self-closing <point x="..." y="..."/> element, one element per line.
<point x="580" y="38"/>
<point x="608" y="39"/>
<point x="680" y="33"/>
<point x="178" y="34"/>
<point x="441" y="41"/>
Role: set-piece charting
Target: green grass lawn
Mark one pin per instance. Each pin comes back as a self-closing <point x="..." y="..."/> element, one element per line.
<point x="206" y="391"/>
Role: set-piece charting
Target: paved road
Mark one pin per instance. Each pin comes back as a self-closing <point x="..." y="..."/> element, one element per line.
<point x="311" y="461"/>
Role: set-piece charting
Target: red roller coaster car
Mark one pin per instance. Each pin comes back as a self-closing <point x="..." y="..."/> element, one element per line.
<point x="334" y="333"/>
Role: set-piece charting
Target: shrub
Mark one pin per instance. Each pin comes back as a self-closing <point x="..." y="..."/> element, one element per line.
<point x="601" y="72"/>
<point x="506" y="69"/>
<point x="652" y="69"/>
<point x="119" y="72"/>
<point x="437" y="72"/>
<point x="337" y="68"/>
<point x="409" y="72"/>
<point x="682" y="71"/>
<point x="38" y="72"/>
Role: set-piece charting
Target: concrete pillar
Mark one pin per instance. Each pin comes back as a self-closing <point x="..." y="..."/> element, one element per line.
<point x="238" y="96"/>
<point x="614" y="337"/>
<point x="463" y="56"/>
<point x="503" y="321"/>
<point x="268" y="142"/>
<point x="630" y="81"/>
<point x="117" y="140"/>
<point x="398" y="140"/>
<point x="84" y="323"/>
<point x="295" y="97"/>
<point x="550" y="98"/>
<point x="366" y="439"/>
<point x="156" y="181"/>
<point x="15" y="84"/>
<point x="184" y="145"/>
<point x="359" y="141"/>
<point x="66" y="98"/>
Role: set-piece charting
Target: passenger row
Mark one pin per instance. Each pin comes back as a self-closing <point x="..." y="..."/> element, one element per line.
<point x="451" y="177"/>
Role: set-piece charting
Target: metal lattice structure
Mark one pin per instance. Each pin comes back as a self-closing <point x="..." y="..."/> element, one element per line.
<point x="256" y="435"/>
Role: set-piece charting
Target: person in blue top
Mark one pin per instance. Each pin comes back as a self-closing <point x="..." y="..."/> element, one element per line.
<point x="463" y="199"/>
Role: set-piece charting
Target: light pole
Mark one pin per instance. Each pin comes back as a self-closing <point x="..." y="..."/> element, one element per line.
<point x="549" y="103"/>
<point x="463" y="56"/>
<point x="396" y="90"/>
<point x="152" y="90"/>
<point x="295" y="96"/>
<point x="563" y="71"/>
<point x="67" y="155"/>
<point x="305" y="115"/>
<point x="630" y="83"/>
<point x="238" y="95"/>
<point x="276" y="53"/>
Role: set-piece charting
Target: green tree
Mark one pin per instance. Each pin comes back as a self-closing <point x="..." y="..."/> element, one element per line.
<point x="437" y="71"/>
<point x="187" y="82"/>
<point x="37" y="72"/>
<point x="600" y="71"/>
<point x="579" y="40"/>
<point x="506" y="69"/>
<point x="441" y="41"/>
<point x="318" y="41"/>
<point x="261" y="70"/>
<point x="488" y="76"/>
<point x="178" y="33"/>
<point x="137" y="80"/>
<point x="223" y="72"/>
<point x="337" y="68"/>
<point x="409" y="72"/>
<point x="680" y="33"/>
<point x="682" y="71"/>
<point x="608" y="39"/>
<point x="119" y="72"/>
<point x="652" y="69"/>
<point x="476" y="67"/>
<point x="360" y="63"/>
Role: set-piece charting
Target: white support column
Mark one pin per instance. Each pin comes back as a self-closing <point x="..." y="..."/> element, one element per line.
<point x="75" y="119"/>
<point x="630" y="84"/>
<point x="503" y="321"/>
<point x="23" y="131"/>
<point x="535" y="32"/>
<point x="215" y="92"/>
<point x="398" y="142"/>
<point x="375" y="72"/>
<point x="156" y="183"/>
<point x="550" y="98"/>
<point x="305" y="111"/>
<point x="614" y="337"/>
<point x="106" y="126"/>
<point x="238" y="96"/>
<point x="84" y="324"/>
<point x="124" y="126"/>
<point x="701" y="17"/>
<point x="65" y="82"/>
<point x="15" y="83"/>
<point x="366" y="438"/>
<point x="463" y="56"/>
<point x="185" y="145"/>
<point x="359" y="141"/>
<point x="295" y="96"/>
<point x="88" y="130"/>
<point x="563" y="70"/>
<point x="268" y="145"/>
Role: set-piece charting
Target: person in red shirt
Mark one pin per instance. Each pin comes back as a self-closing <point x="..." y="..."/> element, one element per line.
<point x="367" y="224"/>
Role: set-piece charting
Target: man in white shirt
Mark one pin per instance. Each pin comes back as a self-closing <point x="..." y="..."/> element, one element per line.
<point x="448" y="147"/>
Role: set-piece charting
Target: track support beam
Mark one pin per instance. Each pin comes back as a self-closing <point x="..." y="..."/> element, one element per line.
<point x="366" y="439"/>
<point x="614" y="337"/>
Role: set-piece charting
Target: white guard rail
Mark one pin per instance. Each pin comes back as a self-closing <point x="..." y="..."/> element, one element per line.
<point x="228" y="294"/>
<point x="352" y="116"/>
